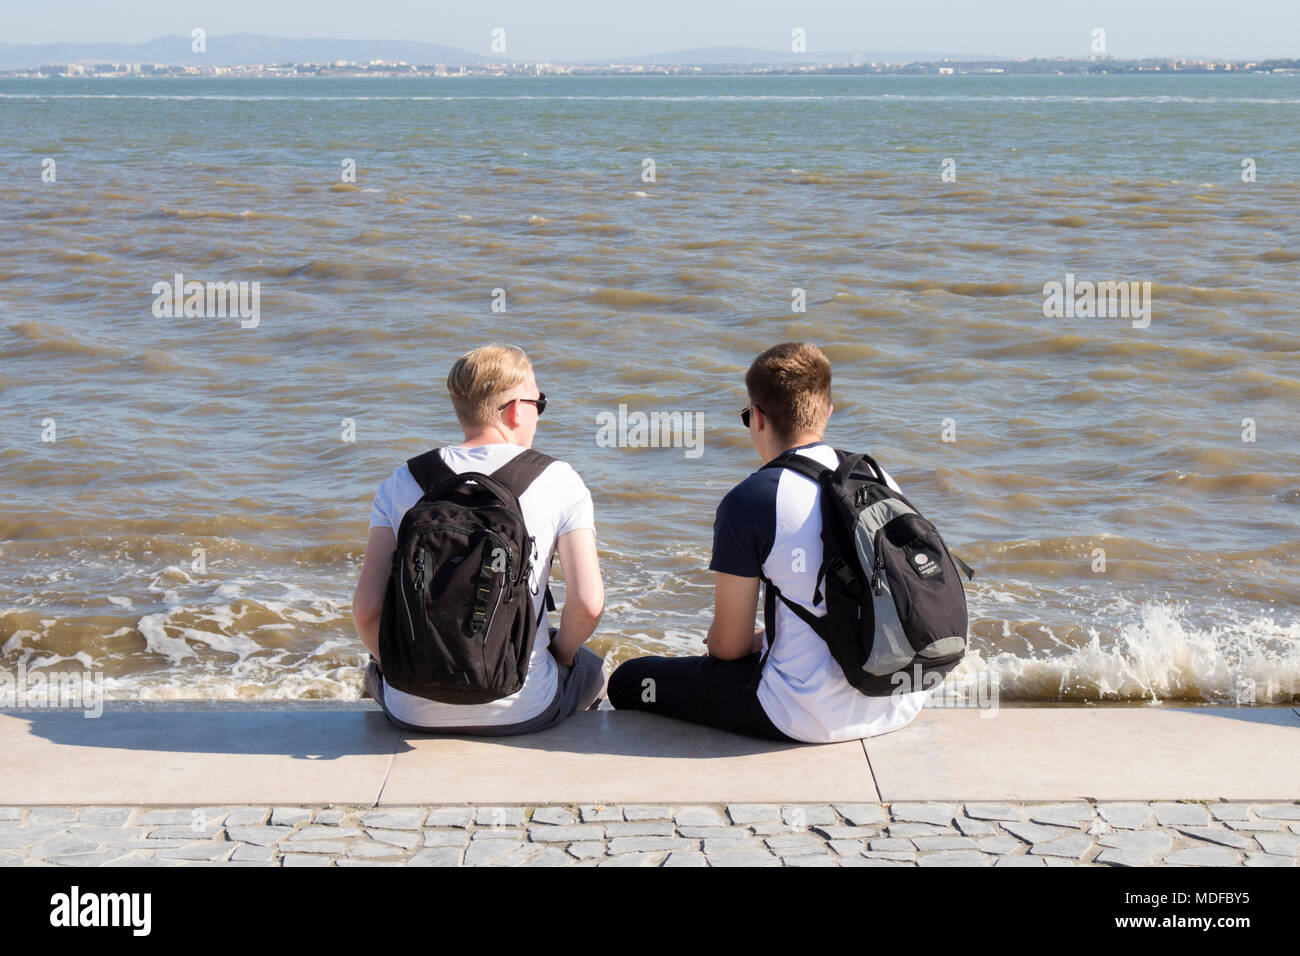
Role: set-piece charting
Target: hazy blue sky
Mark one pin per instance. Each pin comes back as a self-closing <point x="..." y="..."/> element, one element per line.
<point x="572" y="29"/>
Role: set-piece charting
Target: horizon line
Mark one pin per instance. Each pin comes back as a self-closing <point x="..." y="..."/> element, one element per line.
<point x="805" y="55"/>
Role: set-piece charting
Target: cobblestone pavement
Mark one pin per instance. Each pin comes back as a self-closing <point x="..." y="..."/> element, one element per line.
<point x="900" y="834"/>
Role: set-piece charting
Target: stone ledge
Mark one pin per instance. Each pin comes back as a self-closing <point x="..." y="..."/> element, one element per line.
<point x="320" y="753"/>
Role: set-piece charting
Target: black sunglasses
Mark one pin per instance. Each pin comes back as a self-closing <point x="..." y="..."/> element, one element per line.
<point x="744" y="413"/>
<point x="539" y="401"/>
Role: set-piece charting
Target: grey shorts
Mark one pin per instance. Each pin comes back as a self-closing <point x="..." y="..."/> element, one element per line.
<point x="581" y="686"/>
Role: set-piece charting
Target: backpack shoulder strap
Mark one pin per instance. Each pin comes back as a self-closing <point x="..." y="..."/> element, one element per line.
<point x="429" y="470"/>
<point x="803" y="465"/>
<point x="520" y="472"/>
<point x="772" y="594"/>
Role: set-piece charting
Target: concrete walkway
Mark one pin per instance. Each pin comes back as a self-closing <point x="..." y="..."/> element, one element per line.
<point x="316" y="783"/>
<point x="317" y="754"/>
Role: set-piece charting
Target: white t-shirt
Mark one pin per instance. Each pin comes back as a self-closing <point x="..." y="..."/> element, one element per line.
<point x="761" y="523"/>
<point x="556" y="503"/>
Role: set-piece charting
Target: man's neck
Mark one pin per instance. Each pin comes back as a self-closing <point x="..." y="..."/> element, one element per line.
<point x="802" y="441"/>
<point x="487" y="436"/>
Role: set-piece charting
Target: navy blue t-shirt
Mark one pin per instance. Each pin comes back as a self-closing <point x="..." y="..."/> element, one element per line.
<point x="744" y="526"/>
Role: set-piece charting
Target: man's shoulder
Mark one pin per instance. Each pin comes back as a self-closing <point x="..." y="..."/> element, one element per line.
<point x="560" y="470"/>
<point x="756" y="492"/>
<point x="762" y="485"/>
<point x="399" y="475"/>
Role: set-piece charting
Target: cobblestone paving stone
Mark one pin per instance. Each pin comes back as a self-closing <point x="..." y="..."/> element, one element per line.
<point x="1168" y="833"/>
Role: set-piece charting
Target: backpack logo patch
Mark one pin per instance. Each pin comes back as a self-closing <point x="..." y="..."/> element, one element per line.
<point x="926" y="566"/>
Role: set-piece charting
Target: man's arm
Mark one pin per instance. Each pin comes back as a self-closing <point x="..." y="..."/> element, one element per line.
<point x="368" y="599"/>
<point x="735" y="602"/>
<point x="584" y="593"/>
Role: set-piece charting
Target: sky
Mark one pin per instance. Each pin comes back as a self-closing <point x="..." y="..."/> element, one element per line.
<point x="599" y="29"/>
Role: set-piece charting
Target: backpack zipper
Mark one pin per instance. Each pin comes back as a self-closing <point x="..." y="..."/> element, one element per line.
<point x="488" y="626"/>
<point x="426" y="525"/>
<point x="410" y="621"/>
<point x="878" y="567"/>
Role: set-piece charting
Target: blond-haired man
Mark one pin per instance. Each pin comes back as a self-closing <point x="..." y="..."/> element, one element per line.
<point x="494" y="392"/>
<point x="761" y="527"/>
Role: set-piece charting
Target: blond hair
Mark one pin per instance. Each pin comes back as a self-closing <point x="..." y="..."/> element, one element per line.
<point x="480" y="378"/>
<point x="791" y="384"/>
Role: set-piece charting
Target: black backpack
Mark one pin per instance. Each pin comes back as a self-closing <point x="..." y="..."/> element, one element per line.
<point x="896" y="617"/>
<point x="458" y="623"/>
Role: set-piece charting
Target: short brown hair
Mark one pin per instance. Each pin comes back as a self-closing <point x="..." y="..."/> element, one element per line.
<point x="791" y="385"/>
<point x="481" y="377"/>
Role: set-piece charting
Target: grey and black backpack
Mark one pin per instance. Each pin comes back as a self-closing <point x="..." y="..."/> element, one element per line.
<point x="458" y="623"/>
<point x="896" y="617"/>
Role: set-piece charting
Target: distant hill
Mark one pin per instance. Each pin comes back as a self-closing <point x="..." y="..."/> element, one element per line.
<point x="243" y="49"/>
<point x="239" y="49"/>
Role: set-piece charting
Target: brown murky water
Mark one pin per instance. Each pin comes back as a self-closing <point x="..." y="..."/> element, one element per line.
<point x="1078" y="440"/>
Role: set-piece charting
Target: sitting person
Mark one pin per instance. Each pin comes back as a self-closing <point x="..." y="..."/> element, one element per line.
<point x="495" y="395"/>
<point x="770" y="525"/>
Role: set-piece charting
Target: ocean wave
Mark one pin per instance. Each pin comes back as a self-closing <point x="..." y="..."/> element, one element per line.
<point x="220" y="214"/>
<point x="1156" y="656"/>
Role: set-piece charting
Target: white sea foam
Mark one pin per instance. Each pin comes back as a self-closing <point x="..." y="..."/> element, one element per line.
<point x="1154" y="654"/>
<point x="236" y="644"/>
<point x="14" y="645"/>
<point x="173" y="648"/>
<point x="1157" y="655"/>
<point x="260" y="682"/>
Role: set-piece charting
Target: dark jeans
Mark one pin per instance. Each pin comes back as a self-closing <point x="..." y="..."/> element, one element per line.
<point x="702" y="690"/>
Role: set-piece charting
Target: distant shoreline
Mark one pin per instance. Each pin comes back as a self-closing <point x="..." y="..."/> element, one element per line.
<point x="1094" y="66"/>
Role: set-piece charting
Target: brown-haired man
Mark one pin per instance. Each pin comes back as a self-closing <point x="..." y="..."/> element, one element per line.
<point x="769" y="524"/>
